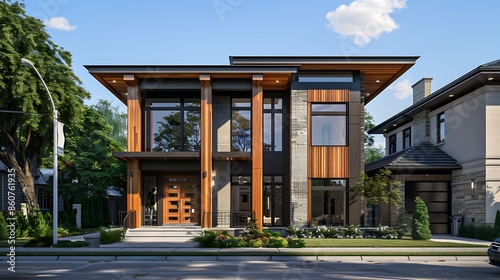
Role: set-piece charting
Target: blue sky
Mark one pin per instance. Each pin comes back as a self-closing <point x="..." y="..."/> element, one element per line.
<point x="451" y="37"/>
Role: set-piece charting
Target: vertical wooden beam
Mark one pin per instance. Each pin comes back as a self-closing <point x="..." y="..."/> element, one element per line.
<point x="206" y="151"/>
<point x="257" y="149"/>
<point x="134" y="128"/>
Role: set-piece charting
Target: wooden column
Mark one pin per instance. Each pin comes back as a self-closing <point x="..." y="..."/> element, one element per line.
<point x="257" y="150"/>
<point x="134" y="136"/>
<point x="206" y="151"/>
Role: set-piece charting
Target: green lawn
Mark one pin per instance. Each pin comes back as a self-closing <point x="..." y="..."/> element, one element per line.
<point x="370" y="243"/>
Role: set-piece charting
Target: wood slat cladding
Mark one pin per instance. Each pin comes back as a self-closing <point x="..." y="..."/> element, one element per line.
<point x="257" y="147"/>
<point x="328" y="95"/>
<point x="206" y="149"/>
<point x="328" y="162"/>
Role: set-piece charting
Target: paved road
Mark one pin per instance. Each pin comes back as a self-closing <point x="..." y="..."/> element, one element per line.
<point x="303" y="270"/>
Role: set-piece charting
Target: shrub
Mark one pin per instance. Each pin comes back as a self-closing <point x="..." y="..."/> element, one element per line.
<point x="4" y="231"/>
<point x="487" y="233"/>
<point x="22" y="226"/>
<point x="420" y="226"/>
<point x="277" y="242"/>
<point x="384" y="232"/>
<point x="206" y="239"/>
<point x="296" y="243"/>
<point x="497" y="220"/>
<point x="110" y="236"/>
<point x="256" y="243"/>
<point x="39" y="227"/>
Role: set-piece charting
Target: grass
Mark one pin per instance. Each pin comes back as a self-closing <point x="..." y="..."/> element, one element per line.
<point x="372" y="243"/>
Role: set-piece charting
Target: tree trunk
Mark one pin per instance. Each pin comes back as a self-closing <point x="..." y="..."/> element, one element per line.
<point x="24" y="178"/>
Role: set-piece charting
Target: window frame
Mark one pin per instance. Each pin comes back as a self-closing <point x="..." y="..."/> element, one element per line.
<point x="392" y="144"/>
<point x="407" y="134"/>
<point x="273" y="111"/>
<point x="242" y="108"/>
<point x="182" y="108"/>
<point x="334" y="113"/>
<point x="441" y="118"/>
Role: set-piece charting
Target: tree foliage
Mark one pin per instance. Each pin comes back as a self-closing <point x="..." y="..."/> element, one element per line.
<point x="116" y="119"/>
<point x="89" y="166"/>
<point x="372" y="153"/>
<point x="378" y="189"/>
<point x="27" y="137"/>
<point x="420" y="226"/>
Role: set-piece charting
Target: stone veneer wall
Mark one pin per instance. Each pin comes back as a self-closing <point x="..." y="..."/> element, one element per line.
<point x="421" y="129"/>
<point x="464" y="202"/>
<point x="221" y="122"/>
<point x="298" y="158"/>
<point x="221" y="205"/>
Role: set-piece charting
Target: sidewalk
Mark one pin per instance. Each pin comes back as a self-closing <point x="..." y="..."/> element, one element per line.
<point x="184" y="249"/>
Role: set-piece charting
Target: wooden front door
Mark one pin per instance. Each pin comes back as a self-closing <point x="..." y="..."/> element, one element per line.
<point x="181" y="203"/>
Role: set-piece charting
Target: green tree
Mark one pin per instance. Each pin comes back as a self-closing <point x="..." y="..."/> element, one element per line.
<point x="378" y="189"/>
<point x="26" y="138"/>
<point x="89" y="165"/>
<point x="420" y="227"/>
<point x="116" y="119"/>
<point x="372" y="153"/>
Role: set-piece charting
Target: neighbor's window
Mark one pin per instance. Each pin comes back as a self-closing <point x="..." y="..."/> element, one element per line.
<point x="329" y="124"/>
<point x="440" y="128"/>
<point x="407" y="138"/>
<point x="392" y="144"/>
<point x="241" y="125"/>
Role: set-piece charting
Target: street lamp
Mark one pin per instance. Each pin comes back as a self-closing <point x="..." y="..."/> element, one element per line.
<point x="28" y="63"/>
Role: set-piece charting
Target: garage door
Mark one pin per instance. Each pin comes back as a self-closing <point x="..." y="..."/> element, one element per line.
<point x="436" y="196"/>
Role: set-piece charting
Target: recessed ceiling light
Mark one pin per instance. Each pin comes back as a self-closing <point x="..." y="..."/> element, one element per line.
<point x="490" y="78"/>
<point x="277" y="81"/>
<point x="126" y="93"/>
<point x="378" y="81"/>
<point x="394" y="125"/>
<point x="114" y="81"/>
<point x="385" y="129"/>
<point x="451" y="95"/>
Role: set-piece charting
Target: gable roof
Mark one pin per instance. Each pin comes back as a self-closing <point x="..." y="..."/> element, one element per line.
<point x="483" y="75"/>
<point x="422" y="156"/>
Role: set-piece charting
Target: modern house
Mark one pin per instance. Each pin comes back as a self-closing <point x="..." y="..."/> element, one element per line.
<point x="277" y="138"/>
<point x="444" y="148"/>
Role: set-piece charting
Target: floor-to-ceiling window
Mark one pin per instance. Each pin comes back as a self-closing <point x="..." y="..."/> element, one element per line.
<point x="328" y="203"/>
<point x="273" y="201"/>
<point x="273" y="124"/>
<point x="172" y="124"/>
<point x="241" y="125"/>
<point x="241" y="200"/>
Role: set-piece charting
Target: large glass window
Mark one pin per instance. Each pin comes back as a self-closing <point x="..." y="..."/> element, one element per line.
<point x="241" y="200"/>
<point x="173" y="124"/>
<point x="407" y="138"/>
<point x="440" y="128"/>
<point x="241" y="125"/>
<point x="328" y="201"/>
<point x="273" y="124"/>
<point x="392" y="144"/>
<point x="272" y="214"/>
<point x="329" y="124"/>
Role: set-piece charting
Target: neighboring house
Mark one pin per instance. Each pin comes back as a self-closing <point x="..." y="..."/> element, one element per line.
<point x="276" y="138"/>
<point x="40" y="185"/>
<point x="445" y="149"/>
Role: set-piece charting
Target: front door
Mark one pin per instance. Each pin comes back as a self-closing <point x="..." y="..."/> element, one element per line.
<point x="181" y="203"/>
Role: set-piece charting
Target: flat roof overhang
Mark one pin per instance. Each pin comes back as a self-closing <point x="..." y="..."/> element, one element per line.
<point x="114" y="77"/>
<point x="378" y="72"/>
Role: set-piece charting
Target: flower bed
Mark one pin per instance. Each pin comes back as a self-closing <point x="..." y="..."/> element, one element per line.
<point x="343" y="232"/>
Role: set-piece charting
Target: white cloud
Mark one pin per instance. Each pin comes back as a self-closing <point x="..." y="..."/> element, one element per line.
<point x="364" y="19"/>
<point x="60" y="23"/>
<point x="402" y="89"/>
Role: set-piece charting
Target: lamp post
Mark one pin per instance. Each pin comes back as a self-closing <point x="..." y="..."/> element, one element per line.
<point x="55" y="210"/>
